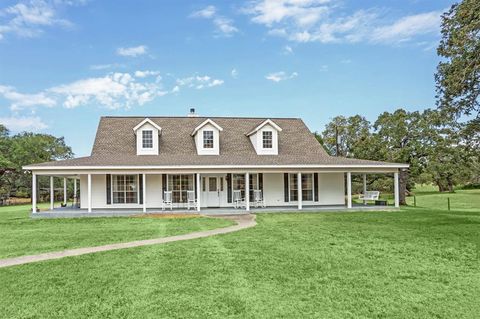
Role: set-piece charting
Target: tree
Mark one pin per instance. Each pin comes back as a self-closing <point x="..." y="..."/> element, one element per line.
<point x="27" y="148"/>
<point x="346" y="136"/>
<point x="458" y="76"/>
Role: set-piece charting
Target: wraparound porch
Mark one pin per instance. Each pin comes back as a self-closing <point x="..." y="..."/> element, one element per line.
<point x="143" y="191"/>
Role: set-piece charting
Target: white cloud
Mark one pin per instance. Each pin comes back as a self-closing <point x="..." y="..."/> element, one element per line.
<point x="287" y="50"/>
<point x="199" y="82"/>
<point x="302" y="13"/>
<point x="207" y="12"/>
<point x="133" y="51"/>
<point x="20" y="100"/>
<point x="146" y="73"/>
<point x="234" y="73"/>
<point x="18" y="124"/>
<point x="29" y="18"/>
<point x="223" y="26"/>
<point x="280" y="76"/>
<point x="114" y="90"/>
<point x="407" y="27"/>
<point x="106" y="66"/>
<point x="322" y="21"/>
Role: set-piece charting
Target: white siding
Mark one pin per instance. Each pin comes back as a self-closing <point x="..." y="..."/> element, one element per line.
<point x="273" y="190"/>
<point x="331" y="188"/>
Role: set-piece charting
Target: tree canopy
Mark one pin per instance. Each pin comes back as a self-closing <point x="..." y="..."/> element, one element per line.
<point x="23" y="149"/>
<point x="458" y="75"/>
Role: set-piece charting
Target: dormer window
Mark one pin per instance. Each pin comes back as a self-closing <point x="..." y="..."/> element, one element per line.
<point x="147" y="135"/>
<point x="207" y="139"/>
<point x="267" y="139"/>
<point x="264" y="138"/>
<point x="147" y="139"/>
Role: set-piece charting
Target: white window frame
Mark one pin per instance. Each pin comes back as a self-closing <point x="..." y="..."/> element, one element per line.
<point x="143" y="139"/>
<point x="212" y="138"/>
<point x="267" y="140"/>
<point x="296" y="190"/>
<point x="125" y="190"/>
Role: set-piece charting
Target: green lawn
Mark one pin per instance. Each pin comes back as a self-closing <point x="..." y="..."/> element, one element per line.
<point x="427" y="196"/>
<point x="412" y="263"/>
<point x="21" y="235"/>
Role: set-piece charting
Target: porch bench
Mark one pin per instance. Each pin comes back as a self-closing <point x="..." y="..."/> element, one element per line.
<point x="369" y="195"/>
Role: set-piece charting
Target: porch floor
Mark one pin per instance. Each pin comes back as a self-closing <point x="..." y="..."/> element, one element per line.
<point x="60" y="212"/>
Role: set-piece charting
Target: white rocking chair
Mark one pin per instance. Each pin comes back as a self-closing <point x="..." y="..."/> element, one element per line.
<point x="258" y="199"/>
<point x="238" y="201"/>
<point x="167" y="200"/>
<point x="191" y="200"/>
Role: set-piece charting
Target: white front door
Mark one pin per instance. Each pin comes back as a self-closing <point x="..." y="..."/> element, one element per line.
<point x="213" y="191"/>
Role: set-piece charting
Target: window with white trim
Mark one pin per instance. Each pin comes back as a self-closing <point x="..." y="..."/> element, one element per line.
<point x="207" y="139"/>
<point x="239" y="184"/>
<point x="125" y="189"/>
<point x="147" y="139"/>
<point x="307" y="187"/>
<point x="267" y="138"/>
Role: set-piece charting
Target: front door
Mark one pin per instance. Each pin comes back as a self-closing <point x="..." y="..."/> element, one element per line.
<point x="213" y="191"/>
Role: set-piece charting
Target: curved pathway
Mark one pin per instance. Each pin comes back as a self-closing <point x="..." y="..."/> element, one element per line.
<point x="243" y="221"/>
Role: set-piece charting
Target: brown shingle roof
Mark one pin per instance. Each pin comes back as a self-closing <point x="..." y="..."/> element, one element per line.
<point x="115" y="144"/>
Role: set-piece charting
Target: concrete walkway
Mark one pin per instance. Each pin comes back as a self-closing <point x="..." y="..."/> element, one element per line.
<point x="243" y="221"/>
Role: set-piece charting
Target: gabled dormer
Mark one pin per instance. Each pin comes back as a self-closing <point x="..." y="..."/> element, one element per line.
<point x="147" y="135"/>
<point x="264" y="138"/>
<point x="207" y="138"/>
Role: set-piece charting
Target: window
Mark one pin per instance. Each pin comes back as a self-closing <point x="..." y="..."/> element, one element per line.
<point x="179" y="185"/>
<point x="147" y="139"/>
<point x="239" y="183"/>
<point x="267" y="139"/>
<point x="124" y="189"/>
<point x="207" y="139"/>
<point x="293" y="188"/>
<point x="307" y="187"/>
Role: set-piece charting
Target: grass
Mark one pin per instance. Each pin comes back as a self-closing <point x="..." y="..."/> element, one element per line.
<point x="21" y="235"/>
<point x="427" y="196"/>
<point x="412" y="263"/>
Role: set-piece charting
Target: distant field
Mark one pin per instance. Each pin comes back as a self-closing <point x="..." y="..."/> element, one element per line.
<point x="428" y="196"/>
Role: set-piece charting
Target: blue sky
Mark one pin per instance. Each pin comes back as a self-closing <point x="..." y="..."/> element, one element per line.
<point x="65" y="63"/>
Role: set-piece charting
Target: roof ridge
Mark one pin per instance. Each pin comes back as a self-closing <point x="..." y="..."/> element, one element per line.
<point x="196" y="117"/>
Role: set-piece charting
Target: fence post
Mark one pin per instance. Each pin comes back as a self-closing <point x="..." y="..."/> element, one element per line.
<point x="414" y="201"/>
<point x="448" y="200"/>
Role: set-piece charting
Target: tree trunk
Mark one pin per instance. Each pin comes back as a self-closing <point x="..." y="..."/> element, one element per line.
<point x="402" y="179"/>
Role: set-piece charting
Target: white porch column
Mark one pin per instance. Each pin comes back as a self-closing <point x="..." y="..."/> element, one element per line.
<point x="34" y="192"/>
<point x="144" y="192"/>
<point x="89" y="192"/>
<point x="247" y="191"/>
<point x="52" y="193"/>
<point x="75" y="190"/>
<point x="299" y="189"/>
<point x="349" y="189"/>
<point x="199" y="187"/>
<point x="396" y="190"/>
<point x="364" y="187"/>
<point x="65" y="191"/>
